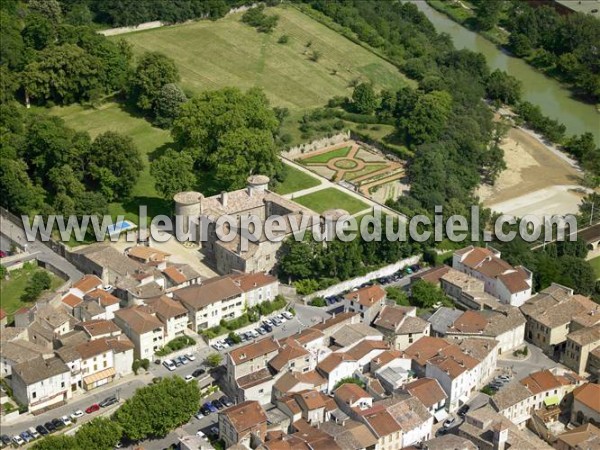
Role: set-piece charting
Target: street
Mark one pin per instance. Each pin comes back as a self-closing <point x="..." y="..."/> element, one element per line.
<point x="535" y="361"/>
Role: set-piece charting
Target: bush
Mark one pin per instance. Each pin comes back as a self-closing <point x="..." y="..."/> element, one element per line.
<point x="39" y="282"/>
<point x="488" y="390"/>
<point x="351" y="380"/>
<point x="176" y="344"/>
<point x="304" y="287"/>
<point x="234" y="337"/>
<point x="318" y="301"/>
<point x="283" y="39"/>
<point x="256" y="18"/>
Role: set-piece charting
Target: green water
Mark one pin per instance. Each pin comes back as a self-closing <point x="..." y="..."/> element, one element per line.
<point x="554" y="100"/>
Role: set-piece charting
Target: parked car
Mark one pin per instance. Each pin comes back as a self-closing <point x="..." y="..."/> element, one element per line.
<point x="268" y="322"/>
<point x="199" y="415"/>
<point x="184" y="360"/>
<point x="66" y="420"/>
<point x="505" y="378"/>
<point x="93" y="408"/>
<point x="170" y="365"/>
<point x="205" y="411"/>
<point x="108" y="401"/>
<point x="201" y="435"/>
<point x="42" y="430"/>
<point x="58" y="423"/>
<point x="188" y="378"/>
<point x="108" y="287"/>
<point x="243" y="337"/>
<point x="33" y="433"/>
<point x="276" y="322"/>
<point x="217" y="346"/>
<point x="77" y="414"/>
<point x="49" y="426"/>
<point x="288" y="315"/>
<point x="226" y="401"/>
<point x="229" y="341"/>
<point x="464" y="409"/>
<point x="449" y="422"/>
<point x="198" y="372"/>
<point x="217" y="404"/>
<point x="210" y="407"/>
<point x="5" y="440"/>
<point x="214" y="431"/>
<point x="261" y="331"/>
<point x="157" y="362"/>
<point x="281" y="318"/>
<point x="26" y="436"/>
<point x="268" y="328"/>
<point x="18" y="440"/>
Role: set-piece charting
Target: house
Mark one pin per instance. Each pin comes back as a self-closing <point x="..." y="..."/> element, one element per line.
<point x="147" y="255"/>
<point x="292" y="356"/>
<point x="143" y="329"/>
<point x="123" y="351"/>
<point x="401" y="326"/>
<point x="586" y="436"/>
<point x="40" y="383"/>
<point x="511" y="285"/>
<point x="352" y="334"/>
<point x="383" y="425"/>
<point x="336" y="367"/>
<point x="291" y="382"/>
<point x="243" y="423"/>
<point x="106" y="300"/>
<point x="395" y="374"/>
<point x="365" y="351"/>
<point x="430" y="394"/>
<point x="432" y="275"/>
<point x="579" y="345"/>
<point x="85" y="284"/>
<point x="350" y="397"/>
<point x="514" y="401"/>
<point x="258" y="287"/>
<point x="105" y="262"/>
<point x="210" y="302"/>
<point x="350" y="434"/>
<point x="448" y="441"/>
<point x="549" y="387"/>
<point x="315" y="406"/>
<point x="171" y="313"/>
<point x="367" y="302"/>
<point x="89" y="311"/>
<point x="550" y="315"/>
<point x="586" y="404"/>
<point x="334" y="323"/>
<point x="97" y="329"/>
<point x="467" y="291"/>
<point x="18" y="351"/>
<point x="178" y="276"/>
<point x="97" y="363"/>
<point x="423" y="350"/>
<point x="505" y="324"/>
<point x="414" y="419"/>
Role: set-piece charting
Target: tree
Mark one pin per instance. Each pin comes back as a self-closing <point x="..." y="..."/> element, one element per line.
<point x="101" y="433"/>
<point x="215" y="359"/>
<point x="488" y="13"/>
<point x="173" y="172"/>
<point x="397" y="295"/>
<point x="17" y="192"/>
<point x="156" y="409"/>
<point x="426" y="295"/>
<point x="56" y="442"/>
<point x="3" y="272"/>
<point x="39" y="282"/>
<point x="298" y="258"/>
<point x="580" y="146"/>
<point x="154" y="71"/>
<point x="364" y="98"/>
<point x="12" y="47"/>
<point x="231" y="133"/>
<point x="167" y="105"/>
<point x="115" y="164"/>
<point x="578" y="274"/>
<point x="429" y="117"/>
<point x="47" y="8"/>
<point x="503" y="87"/>
<point x="520" y="44"/>
<point x="39" y="32"/>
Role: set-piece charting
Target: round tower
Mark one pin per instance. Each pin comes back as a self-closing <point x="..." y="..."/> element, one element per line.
<point x="257" y="183"/>
<point x="188" y="206"/>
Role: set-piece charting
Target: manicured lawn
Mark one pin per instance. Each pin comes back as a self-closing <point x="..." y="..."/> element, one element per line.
<point x="295" y="181"/>
<point x="596" y="265"/>
<point x="325" y="157"/>
<point x="364" y="171"/>
<point x="331" y="198"/>
<point x="11" y="289"/>
<point x="212" y="55"/>
<point x="151" y="142"/>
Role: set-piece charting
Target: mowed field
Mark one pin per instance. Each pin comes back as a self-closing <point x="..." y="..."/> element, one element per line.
<point x="212" y="55"/>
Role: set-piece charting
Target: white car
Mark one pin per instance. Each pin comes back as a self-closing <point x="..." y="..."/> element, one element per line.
<point x="18" y="440"/>
<point x="287" y="315"/>
<point x="189" y="378"/>
<point x="169" y="365"/>
<point x="33" y="432"/>
<point x="66" y="420"/>
<point x="283" y="319"/>
<point x="77" y="414"/>
<point x="201" y="435"/>
<point x="269" y="322"/>
<point x="190" y="357"/>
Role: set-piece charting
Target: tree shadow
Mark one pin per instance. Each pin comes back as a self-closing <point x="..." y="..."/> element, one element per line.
<point x="161" y="150"/>
<point x="155" y="206"/>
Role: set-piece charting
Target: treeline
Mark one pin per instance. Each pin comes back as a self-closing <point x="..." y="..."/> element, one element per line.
<point x="563" y="46"/>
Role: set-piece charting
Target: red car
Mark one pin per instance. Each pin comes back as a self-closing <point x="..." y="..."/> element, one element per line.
<point x="95" y="407"/>
<point x="3" y="254"/>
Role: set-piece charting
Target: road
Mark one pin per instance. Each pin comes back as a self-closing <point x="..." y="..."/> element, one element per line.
<point x="38" y="249"/>
<point x="537" y="360"/>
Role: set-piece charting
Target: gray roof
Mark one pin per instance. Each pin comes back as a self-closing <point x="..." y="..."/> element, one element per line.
<point x="393" y="374"/>
<point x="510" y="395"/>
<point x="352" y="333"/>
<point x="20" y="351"/>
<point x="39" y="369"/>
<point x="108" y="257"/>
<point x="443" y="318"/>
<point x="449" y="441"/>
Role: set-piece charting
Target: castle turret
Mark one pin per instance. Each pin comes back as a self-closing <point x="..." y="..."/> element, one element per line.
<point x="188" y="206"/>
<point x="257" y="183"/>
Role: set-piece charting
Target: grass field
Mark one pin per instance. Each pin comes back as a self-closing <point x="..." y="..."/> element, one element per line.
<point x="596" y="265"/>
<point x="12" y="289"/>
<point x="212" y="55"/>
<point x="330" y="198"/>
<point x="295" y="181"/>
<point x="326" y="157"/>
<point x="150" y="141"/>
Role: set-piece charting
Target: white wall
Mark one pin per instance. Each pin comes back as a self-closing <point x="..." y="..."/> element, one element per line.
<point x="343" y="370"/>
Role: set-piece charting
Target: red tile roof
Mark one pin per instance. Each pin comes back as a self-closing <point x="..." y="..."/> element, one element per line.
<point x="367" y="296"/>
<point x="87" y="283"/>
<point x="71" y="300"/>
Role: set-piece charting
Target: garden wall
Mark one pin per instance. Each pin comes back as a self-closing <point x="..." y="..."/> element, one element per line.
<point x="317" y="144"/>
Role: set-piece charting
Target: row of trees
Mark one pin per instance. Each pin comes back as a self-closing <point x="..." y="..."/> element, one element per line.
<point x="48" y="168"/>
<point x="562" y="45"/>
<point x="152" y="412"/>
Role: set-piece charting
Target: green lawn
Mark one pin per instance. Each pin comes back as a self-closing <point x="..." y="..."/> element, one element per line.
<point x="364" y="171"/>
<point x="295" y="181"/>
<point x="325" y="157"/>
<point x="330" y="198"/>
<point x="11" y="289"/>
<point x="151" y="142"/>
<point x="596" y="265"/>
<point x="212" y="55"/>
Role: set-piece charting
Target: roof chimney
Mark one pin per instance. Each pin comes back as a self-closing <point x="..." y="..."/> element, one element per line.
<point x="224" y="199"/>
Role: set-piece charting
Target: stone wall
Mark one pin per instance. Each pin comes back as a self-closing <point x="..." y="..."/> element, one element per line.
<point x="140" y="27"/>
<point x="317" y="144"/>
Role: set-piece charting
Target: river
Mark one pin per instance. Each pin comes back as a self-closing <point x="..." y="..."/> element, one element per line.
<point x="554" y="100"/>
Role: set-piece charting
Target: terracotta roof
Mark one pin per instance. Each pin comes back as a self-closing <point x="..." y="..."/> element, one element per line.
<point x="291" y="404"/>
<point x="335" y="320"/>
<point x="138" y="320"/>
<point x="87" y="283"/>
<point x="254" y="378"/>
<point x="105" y="298"/>
<point x="425" y="348"/>
<point x="432" y="275"/>
<point x="120" y="344"/>
<point x="175" y="274"/>
<point x="382" y="423"/>
<point x="288" y="352"/>
<point x="515" y="281"/>
<point x="71" y="300"/>
<point x="332" y="361"/>
<point x="469" y="322"/>
<point x="211" y="291"/>
<point x="310" y="400"/>
<point x="367" y="296"/>
<point x="165" y="307"/>
<point x="253" y="350"/>
<point x="541" y="381"/>
<point x="313" y="377"/>
<point x="390" y="317"/>
<point x="427" y="390"/>
<point x="147" y="253"/>
<point x="245" y="415"/>
<point x="589" y="395"/>
<point x="408" y="411"/>
<point x="453" y="361"/>
<point x="350" y="393"/>
<point x="350" y="434"/>
<point x="308" y="335"/>
<point x="250" y="281"/>
<point x="586" y="436"/>
<point x="93" y="348"/>
<point x="363" y="348"/>
<point x="387" y="356"/>
<point x="99" y="327"/>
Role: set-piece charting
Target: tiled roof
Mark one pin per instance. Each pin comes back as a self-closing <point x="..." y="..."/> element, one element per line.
<point x="510" y="395"/>
<point x="350" y="435"/>
<point x="413" y="325"/>
<point x="254" y="378"/>
<point x="211" y="291"/>
<point x="147" y="253"/>
<point x="515" y="281"/>
<point x="176" y="275"/>
<point x="425" y="348"/>
<point x="93" y="348"/>
<point x="120" y="344"/>
<point x="87" y="283"/>
<point x="253" y="350"/>
<point x="108" y="257"/>
<point x="19" y="350"/>
<point x="390" y="317"/>
<point x="541" y="381"/>
<point x="432" y="275"/>
<point x="165" y="307"/>
<point x="469" y="322"/>
<point x="350" y="393"/>
<point x="310" y="400"/>
<point x="367" y="296"/>
<point x="409" y="412"/>
<point x="427" y="390"/>
<point x="350" y="334"/>
<point x="363" y="348"/>
<point x="586" y="336"/>
<point x="245" y="415"/>
<point x="586" y="436"/>
<point x="98" y="327"/>
<point x="138" y="320"/>
<point x="333" y="361"/>
<point x="335" y="320"/>
<point x="71" y="300"/>
<point x="249" y="281"/>
<point x="288" y="352"/>
<point x="387" y="356"/>
<point x="589" y="395"/>
<point x="105" y="298"/>
<point x="382" y="423"/>
<point x="39" y="369"/>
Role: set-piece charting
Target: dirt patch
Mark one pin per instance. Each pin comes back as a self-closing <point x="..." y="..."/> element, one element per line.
<point x="530" y="167"/>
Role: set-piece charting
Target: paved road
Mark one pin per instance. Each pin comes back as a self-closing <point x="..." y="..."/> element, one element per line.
<point x="38" y="249"/>
<point x="537" y="360"/>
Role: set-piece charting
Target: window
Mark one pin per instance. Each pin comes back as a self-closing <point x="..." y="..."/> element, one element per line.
<point x="261" y="391"/>
<point x="33" y="395"/>
<point x="62" y="384"/>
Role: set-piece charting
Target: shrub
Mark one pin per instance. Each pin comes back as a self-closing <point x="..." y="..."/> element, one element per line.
<point x="283" y="39"/>
<point x="234" y="337"/>
<point x="176" y="344"/>
<point x="488" y="390"/>
<point x="256" y="18"/>
<point x="304" y="287"/>
<point x="318" y="301"/>
<point x="351" y="380"/>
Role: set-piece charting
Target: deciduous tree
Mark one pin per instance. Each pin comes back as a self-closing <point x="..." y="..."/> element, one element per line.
<point x="153" y="72"/>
